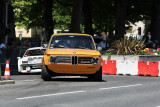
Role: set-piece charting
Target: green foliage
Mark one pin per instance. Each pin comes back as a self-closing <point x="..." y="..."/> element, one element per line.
<point x="139" y="10"/>
<point x="27" y="13"/>
<point x="127" y="46"/>
<point x="103" y="13"/>
<point x="62" y="14"/>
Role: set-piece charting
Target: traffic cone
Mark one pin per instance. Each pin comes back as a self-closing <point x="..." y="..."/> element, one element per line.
<point x="7" y="72"/>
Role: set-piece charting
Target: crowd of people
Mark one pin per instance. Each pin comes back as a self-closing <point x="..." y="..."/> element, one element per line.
<point x="32" y="42"/>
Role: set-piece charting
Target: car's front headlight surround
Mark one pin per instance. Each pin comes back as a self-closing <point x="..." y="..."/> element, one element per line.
<point x="95" y="60"/>
<point x="30" y="60"/>
<point x="35" y="60"/>
<point x="40" y="60"/>
<point x="52" y="59"/>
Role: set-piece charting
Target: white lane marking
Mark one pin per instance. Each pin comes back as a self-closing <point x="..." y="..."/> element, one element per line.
<point x="126" y="86"/>
<point x="47" y="95"/>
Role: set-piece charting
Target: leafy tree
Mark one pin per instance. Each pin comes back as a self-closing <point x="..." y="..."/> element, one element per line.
<point x="108" y="15"/>
<point x="28" y="13"/>
<point x="62" y="11"/>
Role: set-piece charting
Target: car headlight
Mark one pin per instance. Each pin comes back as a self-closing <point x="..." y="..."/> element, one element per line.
<point x="52" y="59"/>
<point x="35" y="60"/>
<point x="30" y="60"/>
<point x="40" y="60"/>
<point x="95" y="60"/>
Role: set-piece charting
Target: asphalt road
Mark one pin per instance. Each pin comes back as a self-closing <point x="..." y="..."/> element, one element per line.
<point x="113" y="91"/>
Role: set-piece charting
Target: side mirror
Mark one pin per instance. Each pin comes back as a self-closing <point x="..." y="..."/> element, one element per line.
<point x="18" y="57"/>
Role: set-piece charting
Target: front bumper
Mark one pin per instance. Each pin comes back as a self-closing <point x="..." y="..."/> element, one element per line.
<point x="73" y="69"/>
<point x="32" y="68"/>
<point x="31" y="71"/>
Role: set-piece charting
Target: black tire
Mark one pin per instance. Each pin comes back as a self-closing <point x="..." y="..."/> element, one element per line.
<point x="97" y="76"/>
<point x="45" y="75"/>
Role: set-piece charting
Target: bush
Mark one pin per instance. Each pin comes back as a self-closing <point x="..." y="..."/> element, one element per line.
<point x="127" y="46"/>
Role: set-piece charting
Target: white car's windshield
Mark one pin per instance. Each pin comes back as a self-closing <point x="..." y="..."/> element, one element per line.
<point x="35" y="52"/>
<point x="72" y="41"/>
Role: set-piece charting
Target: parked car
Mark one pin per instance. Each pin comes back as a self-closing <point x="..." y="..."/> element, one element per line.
<point x="71" y="54"/>
<point x="31" y="61"/>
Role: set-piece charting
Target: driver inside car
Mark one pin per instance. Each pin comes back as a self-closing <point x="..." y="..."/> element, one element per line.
<point x="61" y="44"/>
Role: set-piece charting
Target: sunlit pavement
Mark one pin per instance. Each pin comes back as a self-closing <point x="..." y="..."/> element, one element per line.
<point x="113" y="91"/>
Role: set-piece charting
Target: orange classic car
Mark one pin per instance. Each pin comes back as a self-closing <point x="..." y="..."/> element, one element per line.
<point x="71" y="54"/>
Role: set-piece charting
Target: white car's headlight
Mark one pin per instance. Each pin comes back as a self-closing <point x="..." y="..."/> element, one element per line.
<point x="95" y="60"/>
<point x="35" y="60"/>
<point x="40" y="60"/>
<point x="30" y="60"/>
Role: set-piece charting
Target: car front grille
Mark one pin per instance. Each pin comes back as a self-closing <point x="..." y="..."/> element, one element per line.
<point x="74" y="60"/>
<point x="63" y="60"/>
<point x="84" y="60"/>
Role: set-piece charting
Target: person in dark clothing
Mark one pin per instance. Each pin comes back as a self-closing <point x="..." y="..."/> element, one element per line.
<point x="35" y="41"/>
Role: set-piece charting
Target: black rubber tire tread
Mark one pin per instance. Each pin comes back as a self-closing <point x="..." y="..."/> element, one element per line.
<point x="45" y="74"/>
<point x="97" y="76"/>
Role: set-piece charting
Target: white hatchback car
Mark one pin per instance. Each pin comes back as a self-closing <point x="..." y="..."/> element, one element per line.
<point x="31" y="60"/>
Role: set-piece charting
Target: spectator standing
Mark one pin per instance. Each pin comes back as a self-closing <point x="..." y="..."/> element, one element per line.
<point x="2" y="48"/>
<point x="149" y="41"/>
<point x="35" y="41"/>
<point x="26" y="43"/>
<point x="9" y="50"/>
<point x="104" y="43"/>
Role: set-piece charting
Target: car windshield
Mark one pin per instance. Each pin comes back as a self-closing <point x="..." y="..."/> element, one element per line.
<point x="35" y="52"/>
<point x="72" y="41"/>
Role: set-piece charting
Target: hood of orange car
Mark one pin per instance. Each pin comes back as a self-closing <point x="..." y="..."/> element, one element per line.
<point x="72" y="51"/>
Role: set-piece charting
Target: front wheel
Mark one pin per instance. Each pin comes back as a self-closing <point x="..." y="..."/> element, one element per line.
<point x="45" y="73"/>
<point x="97" y="76"/>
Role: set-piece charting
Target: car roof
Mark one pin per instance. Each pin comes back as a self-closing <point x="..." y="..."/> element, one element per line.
<point x="34" y="48"/>
<point x="71" y="34"/>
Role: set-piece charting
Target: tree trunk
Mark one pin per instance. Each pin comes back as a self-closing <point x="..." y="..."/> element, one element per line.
<point x="121" y="16"/>
<point x="87" y="12"/>
<point x="11" y="25"/>
<point x="155" y="20"/>
<point x="7" y="27"/>
<point x="48" y="21"/>
<point x="2" y="23"/>
<point x="76" y="16"/>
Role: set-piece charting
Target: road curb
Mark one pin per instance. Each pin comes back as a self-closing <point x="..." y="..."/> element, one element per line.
<point x="4" y="82"/>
